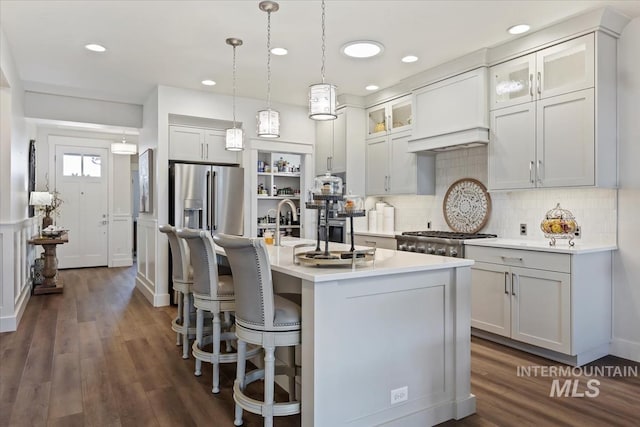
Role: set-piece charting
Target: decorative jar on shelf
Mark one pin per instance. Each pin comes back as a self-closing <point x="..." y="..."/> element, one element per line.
<point x="559" y="223"/>
<point x="327" y="185"/>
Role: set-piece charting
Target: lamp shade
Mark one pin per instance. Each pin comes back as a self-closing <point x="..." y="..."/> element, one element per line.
<point x="233" y="141"/>
<point x="123" y="148"/>
<point x="268" y="123"/>
<point x="322" y="101"/>
<point x="40" y="198"/>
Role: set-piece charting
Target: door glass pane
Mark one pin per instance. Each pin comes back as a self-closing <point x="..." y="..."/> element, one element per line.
<point x="512" y="84"/>
<point x="401" y="115"/>
<point x="377" y="120"/>
<point x="565" y="67"/>
<point x="72" y="165"/>
<point x="91" y="166"/>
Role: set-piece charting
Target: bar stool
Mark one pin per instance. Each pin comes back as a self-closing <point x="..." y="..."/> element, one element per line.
<point x="262" y="318"/>
<point x="211" y="294"/>
<point x="182" y="276"/>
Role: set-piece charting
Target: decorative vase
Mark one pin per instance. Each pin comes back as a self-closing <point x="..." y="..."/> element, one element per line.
<point x="47" y="221"/>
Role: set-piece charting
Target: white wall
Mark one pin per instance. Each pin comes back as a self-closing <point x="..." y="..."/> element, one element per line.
<point x="626" y="300"/>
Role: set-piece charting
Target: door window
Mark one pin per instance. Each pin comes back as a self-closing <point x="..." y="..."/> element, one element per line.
<point x="81" y="165"/>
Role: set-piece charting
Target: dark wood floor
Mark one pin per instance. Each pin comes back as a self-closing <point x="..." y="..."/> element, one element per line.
<point x="100" y="355"/>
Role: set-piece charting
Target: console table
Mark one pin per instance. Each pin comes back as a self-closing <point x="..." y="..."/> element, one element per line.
<point x="51" y="284"/>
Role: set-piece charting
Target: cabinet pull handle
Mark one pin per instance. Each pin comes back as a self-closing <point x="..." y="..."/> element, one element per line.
<point x="330" y="163"/>
<point x="513" y="284"/>
<point x="506" y="275"/>
<point x="389" y="183"/>
<point x="531" y="85"/>
<point x="538" y="171"/>
<point x="511" y="258"/>
<point x="539" y="83"/>
<point x="531" y="172"/>
<point x="202" y="151"/>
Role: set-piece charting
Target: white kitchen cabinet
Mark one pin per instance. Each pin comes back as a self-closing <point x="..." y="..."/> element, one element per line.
<point x="451" y="112"/>
<point x="192" y="144"/>
<point x="559" y="69"/>
<point x="375" y="241"/>
<point x="331" y="145"/>
<point x="552" y="301"/>
<point x="389" y="117"/>
<point x="561" y="131"/>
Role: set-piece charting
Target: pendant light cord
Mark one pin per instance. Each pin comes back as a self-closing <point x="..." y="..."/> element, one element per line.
<point x="234" y="86"/>
<point x="323" y="43"/>
<point x="269" y="60"/>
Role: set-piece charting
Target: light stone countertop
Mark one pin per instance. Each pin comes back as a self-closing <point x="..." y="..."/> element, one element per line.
<point x="561" y="246"/>
<point x="386" y="262"/>
<point x="377" y="233"/>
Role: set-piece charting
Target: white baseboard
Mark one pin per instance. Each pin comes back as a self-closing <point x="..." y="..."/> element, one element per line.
<point x="122" y="262"/>
<point x="625" y="349"/>
<point x="10" y="323"/>
<point x="157" y="300"/>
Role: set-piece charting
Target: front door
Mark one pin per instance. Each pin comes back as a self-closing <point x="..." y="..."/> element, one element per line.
<point x="81" y="180"/>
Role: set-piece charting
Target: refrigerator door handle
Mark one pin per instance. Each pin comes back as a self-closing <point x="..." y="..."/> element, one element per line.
<point x="214" y="202"/>
<point x="208" y="204"/>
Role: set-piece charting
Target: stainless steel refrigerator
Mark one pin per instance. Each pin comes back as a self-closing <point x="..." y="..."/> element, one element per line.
<point x="207" y="197"/>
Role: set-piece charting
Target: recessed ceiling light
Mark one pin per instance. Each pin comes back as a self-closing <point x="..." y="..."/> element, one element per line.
<point x="362" y="49"/>
<point x="93" y="47"/>
<point x="279" y="51"/>
<point x="409" y="58"/>
<point x="372" y="87"/>
<point x="519" y="29"/>
<point x="208" y="82"/>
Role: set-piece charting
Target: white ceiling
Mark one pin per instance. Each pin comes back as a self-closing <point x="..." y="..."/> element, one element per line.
<point x="180" y="43"/>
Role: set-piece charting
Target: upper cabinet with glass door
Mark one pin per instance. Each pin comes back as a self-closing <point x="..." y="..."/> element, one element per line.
<point x="390" y="117"/>
<point x="556" y="70"/>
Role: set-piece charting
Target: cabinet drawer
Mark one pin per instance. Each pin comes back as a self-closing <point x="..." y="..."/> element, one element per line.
<point x="378" y="242"/>
<point x="520" y="258"/>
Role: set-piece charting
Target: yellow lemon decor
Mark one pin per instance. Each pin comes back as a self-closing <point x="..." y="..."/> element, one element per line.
<point x="559" y="224"/>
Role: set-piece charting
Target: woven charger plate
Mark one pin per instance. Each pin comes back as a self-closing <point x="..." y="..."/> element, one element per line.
<point x="466" y="206"/>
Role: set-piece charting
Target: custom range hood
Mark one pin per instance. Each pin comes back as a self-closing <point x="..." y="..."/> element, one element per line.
<point x="451" y="113"/>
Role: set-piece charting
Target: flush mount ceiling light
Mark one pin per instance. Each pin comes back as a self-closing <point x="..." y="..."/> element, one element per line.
<point x="280" y="51"/>
<point x="372" y="87"/>
<point x="322" y="96"/>
<point x="94" y="47"/>
<point x="123" y="147"/>
<point x="518" y="29"/>
<point x="234" y="137"/>
<point x="208" y="82"/>
<point x="268" y="120"/>
<point x="362" y="49"/>
<point x="409" y="58"/>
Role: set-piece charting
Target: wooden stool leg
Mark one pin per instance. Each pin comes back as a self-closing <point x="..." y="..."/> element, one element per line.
<point x="269" y="382"/>
<point x="240" y="373"/>
<point x="215" y="357"/>
<point x="199" y="331"/>
<point x="186" y="315"/>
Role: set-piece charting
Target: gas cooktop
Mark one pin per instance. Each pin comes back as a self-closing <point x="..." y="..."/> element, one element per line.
<point x="448" y="235"/>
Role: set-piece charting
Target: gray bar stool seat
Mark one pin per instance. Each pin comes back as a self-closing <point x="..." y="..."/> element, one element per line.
<point x="182" y="277"/>
<point x="262" y="318"/>
<point x="213" y="294"/>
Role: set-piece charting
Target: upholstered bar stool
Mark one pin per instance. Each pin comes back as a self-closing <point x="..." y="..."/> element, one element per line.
<point x="182" y="276"/>
<point x="213" y="294"/>
<point x="262" y="318"/>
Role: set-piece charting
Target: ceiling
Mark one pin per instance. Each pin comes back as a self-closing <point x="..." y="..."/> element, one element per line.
<point x="180" y="43"/>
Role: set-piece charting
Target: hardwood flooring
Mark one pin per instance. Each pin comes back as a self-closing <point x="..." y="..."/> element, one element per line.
<point x="100" y="355"/>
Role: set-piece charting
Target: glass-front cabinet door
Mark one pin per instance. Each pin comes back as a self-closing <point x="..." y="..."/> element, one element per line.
<point x="389" y="117"/>
<point x="566" y="67"/>
<point x="512" y="82"/>
<point x="377" y="120"/>
<point x="400" y="113"/>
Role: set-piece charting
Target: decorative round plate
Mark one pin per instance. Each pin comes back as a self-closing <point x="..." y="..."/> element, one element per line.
<point x="466" y="206"/>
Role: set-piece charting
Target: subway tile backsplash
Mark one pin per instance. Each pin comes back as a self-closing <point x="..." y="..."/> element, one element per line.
<point x="594" y="208"/>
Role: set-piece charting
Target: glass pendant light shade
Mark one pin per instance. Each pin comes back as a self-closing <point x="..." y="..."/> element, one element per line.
<point x="233" y="141"/>
<point x="268" y="123"/>
<point x="322" y="101"/>
<point x="124" y="148"/>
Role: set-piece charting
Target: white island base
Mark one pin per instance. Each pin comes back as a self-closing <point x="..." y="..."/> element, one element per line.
<point x="369" y="332"/>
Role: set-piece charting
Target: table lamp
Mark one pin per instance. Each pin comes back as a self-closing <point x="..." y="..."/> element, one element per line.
<point x="41" y="199"/>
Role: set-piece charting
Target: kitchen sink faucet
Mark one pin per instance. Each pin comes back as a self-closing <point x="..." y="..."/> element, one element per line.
<point x="293" y="212"/>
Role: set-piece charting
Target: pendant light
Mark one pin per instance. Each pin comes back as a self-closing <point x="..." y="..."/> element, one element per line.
<point x="123" y="147"/>
<point x="322" y="96"/>
<point x="235" y="136"/>
<point x="268" y="120"/>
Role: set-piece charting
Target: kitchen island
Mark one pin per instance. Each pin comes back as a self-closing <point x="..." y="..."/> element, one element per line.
<point x="394" y="329"/>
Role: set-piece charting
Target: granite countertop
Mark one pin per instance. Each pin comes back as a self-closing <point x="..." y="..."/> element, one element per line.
<point x="386" y="262"/>
<point x="561" y="246"/>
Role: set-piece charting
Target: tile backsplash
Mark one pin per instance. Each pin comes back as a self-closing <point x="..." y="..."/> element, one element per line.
<point x="595" y="209"/>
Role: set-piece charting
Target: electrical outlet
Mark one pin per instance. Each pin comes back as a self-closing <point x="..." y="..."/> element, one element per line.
<point x="578" y="232"/>
<point x="399" y="395"/>
<point x="523" y="229"/>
